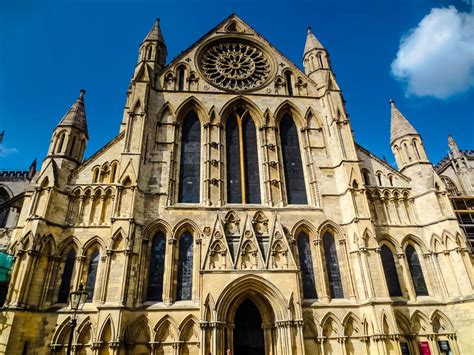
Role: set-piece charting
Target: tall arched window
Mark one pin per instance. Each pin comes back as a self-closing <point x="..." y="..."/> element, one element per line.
<point x="157" y="268"/>
<point x="390" y="271"/>
<point x="416" y="271"/>
<point x="65" y="286"/>
<point x="92" y="275"/>
<point x="292" y="165"/>
<point x="190" y="160"/>
<point x="243" y="178"/>
<point x="185" y="268"/>
<point x="289" y="84"/>
<point x="365" y="174"/>
<point x="181" y="73"/>
<point x="306" y="267"/>
<point x="332" y="266"/>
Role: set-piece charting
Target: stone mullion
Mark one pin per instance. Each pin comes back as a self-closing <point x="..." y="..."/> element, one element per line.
<point x="310" y="165"/>
<point x="321" y="268"/>
<point x="105" y="273"/>
<point x="196" y="270"/>
<point x="79" y="266"/>
<point x="266" y="165"/>
<point x="172" y="168"/>
<point x="169" y="274"/>
<point x="349" y="278"/>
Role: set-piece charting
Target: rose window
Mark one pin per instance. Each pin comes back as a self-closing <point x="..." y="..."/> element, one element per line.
<point x="236" y="66"/>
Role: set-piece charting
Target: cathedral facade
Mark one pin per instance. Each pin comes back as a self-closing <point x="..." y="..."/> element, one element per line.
<point x="234" y="213"/>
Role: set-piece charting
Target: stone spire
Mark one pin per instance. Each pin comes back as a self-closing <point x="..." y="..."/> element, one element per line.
<point x="312" y="42"/>
<point x="155" y="33"/>
<point x="76" y="115"/>
<point x="399" y="124"/>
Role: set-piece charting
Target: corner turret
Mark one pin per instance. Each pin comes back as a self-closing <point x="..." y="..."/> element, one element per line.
<point x="153" y="48"/>
<point x="70" y="135"/>
<point x="405" y="141"/>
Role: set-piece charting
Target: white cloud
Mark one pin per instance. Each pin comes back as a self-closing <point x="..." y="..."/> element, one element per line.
<point x="4" y="151"/>
<point x="437" y="57"/>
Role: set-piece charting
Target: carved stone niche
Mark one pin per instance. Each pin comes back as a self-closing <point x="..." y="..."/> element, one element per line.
<point x="260" y="223"/>
<point x="232" y="223"/>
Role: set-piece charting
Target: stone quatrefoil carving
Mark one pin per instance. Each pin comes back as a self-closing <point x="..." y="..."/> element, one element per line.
<point x="235" y="65"/>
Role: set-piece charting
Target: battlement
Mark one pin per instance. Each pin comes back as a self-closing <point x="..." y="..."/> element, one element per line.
<point x="15" y="175"/>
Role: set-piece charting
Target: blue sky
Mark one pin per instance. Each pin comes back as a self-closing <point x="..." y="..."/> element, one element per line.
<point x="49" y="50"/>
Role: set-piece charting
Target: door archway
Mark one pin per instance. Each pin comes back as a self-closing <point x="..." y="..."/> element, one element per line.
<point x="248" y="332"/>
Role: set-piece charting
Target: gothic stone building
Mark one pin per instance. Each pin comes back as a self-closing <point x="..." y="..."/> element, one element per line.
<point x="234" y="210"/>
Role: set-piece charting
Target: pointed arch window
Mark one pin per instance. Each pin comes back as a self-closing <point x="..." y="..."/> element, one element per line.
<point x="390" y="271"/>
<point x="332" y="266"/>
<point x="92" y="275"/>
<point x="157" y="268"/>
<point x="190" y="160"/>
<point x="292" y="165"/>
<point x="180" y="80"/>
<point x="415" y="271"/>
<point x="289" y="84"/>
<point x="65" y="287"/>
<point x="306" y="267"/>
<point x="185" y="268"/>
<point x="243" y="177"/>
<point x="365" y="174"/>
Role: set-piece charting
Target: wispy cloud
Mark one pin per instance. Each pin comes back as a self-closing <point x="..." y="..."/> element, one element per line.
<point x="5" y="151"/>
<point x="436" y="58"/>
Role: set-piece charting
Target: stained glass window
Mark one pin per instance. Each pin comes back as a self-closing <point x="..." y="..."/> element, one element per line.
<point x="157" y="268"/>
<point x="92" y="275"/>
<point x="390" y="271"/>
<point x="190" y="162"/>
<point x="252" y="181"/>
<point x="293" y="167"/>
<point x="306" y="267"/>
<point x="185" y="268"/>
<point x="416" y="271"/>
<point x="332" y="266"/>
<point x="65" y="286"/>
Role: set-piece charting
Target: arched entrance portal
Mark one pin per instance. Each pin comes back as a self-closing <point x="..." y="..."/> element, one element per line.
<point x="248" y="332"/>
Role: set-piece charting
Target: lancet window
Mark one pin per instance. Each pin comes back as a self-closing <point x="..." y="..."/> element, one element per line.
<point x="157" y="268"/>
<point x="65" y="287"/>
<point x="332" y="266"/>
<point x="92" y="275"/>
<point x="185" y="268"/>
<point x="306" y="267"/>
<point x="292" y="164"/>
<point x="190" y="160"/>
<point x="416" y="271"/>
<point x="243" y="178"/>
<point x="390" y="271"/>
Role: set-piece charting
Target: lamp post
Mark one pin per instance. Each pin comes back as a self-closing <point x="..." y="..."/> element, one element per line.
<point x="77" y="300"/>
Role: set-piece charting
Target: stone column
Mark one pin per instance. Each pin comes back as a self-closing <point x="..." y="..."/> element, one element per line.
<point x="169" y="276"/>
<point x="407" y="276"/>
<point x="349" y="279"/>
<point x="322" y="275"/>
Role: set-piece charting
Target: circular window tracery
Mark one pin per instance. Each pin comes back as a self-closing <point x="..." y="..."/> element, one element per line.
<point x="235" y="65"/>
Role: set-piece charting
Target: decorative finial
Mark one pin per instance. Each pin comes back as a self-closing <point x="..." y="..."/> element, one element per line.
<point x="309" y="29"/>
<point x="157" y="19"/>
<point x="392" y="101"/>
<point x="81" y="93"/>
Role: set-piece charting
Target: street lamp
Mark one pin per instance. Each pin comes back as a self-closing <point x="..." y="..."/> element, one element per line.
<point x="77" y="300"/>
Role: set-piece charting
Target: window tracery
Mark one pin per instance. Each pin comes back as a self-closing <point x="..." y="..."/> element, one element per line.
<point x="235" y="65"/>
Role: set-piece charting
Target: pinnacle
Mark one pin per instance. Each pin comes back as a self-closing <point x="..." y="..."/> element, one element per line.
<point x="155" y="33"/>
<point x="311" y="42"/>
<point x="76" y="115"/>
<point x="399" y="124"/>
